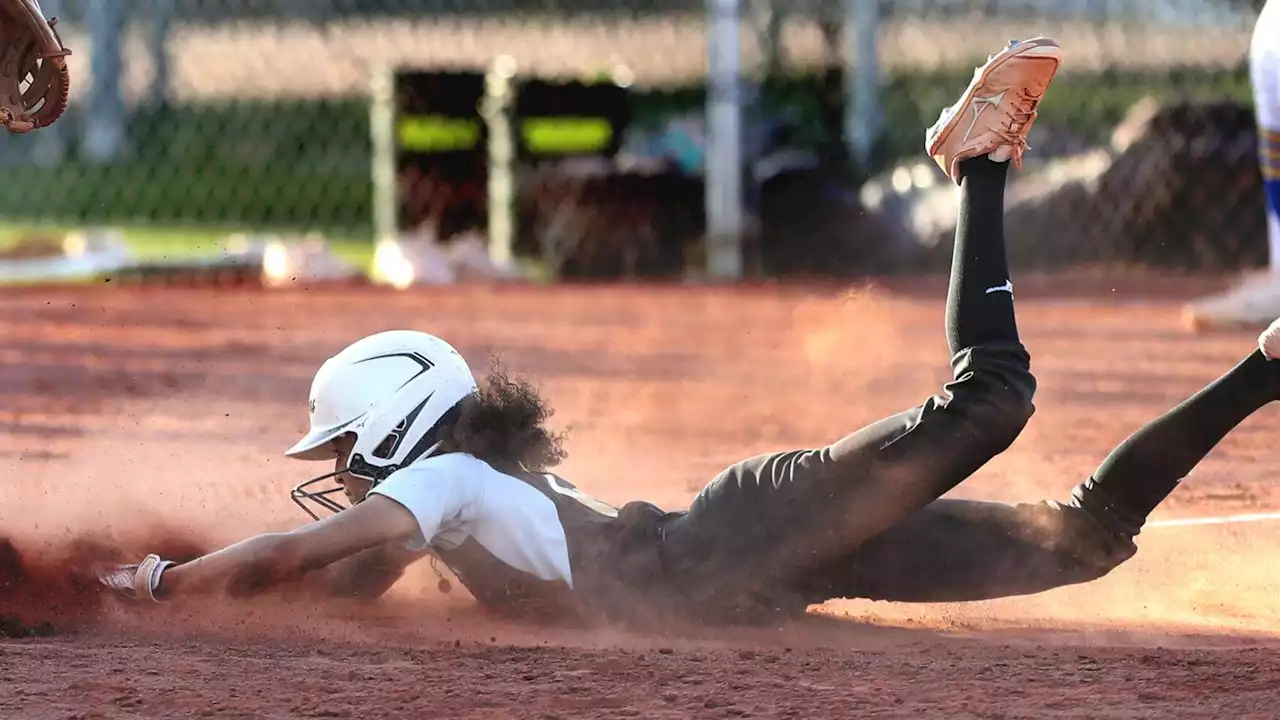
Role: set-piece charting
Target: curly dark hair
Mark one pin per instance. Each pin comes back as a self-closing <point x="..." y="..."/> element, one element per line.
<point x="503" y="423"/>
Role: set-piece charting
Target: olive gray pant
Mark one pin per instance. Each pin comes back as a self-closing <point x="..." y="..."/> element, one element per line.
<point x="863" y="518"/>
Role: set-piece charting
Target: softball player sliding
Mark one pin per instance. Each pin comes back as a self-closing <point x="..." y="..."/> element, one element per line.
<point x="435" y="465"/>
<point x="1257" y="299"/>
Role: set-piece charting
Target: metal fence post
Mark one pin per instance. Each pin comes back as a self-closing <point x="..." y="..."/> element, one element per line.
<point x="104" y="125"/>
<point x="500" y="89"/>
<point x="159" y="26"/>
<point x="383" y="141"/>
<point x="862" y="114"/>
<point x="724" y="141"/>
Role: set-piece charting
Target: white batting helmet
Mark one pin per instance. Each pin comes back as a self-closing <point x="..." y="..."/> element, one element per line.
<point x="391" y="390"/>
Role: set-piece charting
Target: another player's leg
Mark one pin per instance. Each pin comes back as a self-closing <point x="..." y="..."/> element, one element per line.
<point x="1148" y="466"/>
<point x="958" y="550"/>
<point x="1256" y="301"/>
<point x="764" y="521"/>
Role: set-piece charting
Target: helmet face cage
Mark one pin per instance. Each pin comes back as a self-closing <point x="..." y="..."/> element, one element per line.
<point x="302" y="493"/>
<point x="324" y="496"/>
<point x="327" y="496"/>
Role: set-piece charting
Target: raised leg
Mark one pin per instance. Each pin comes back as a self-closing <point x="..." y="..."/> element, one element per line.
<point x="957" y="550"/>
<point x="769" y="520"/>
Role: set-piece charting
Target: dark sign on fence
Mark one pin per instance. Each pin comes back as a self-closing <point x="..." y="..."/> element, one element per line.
<point x="556" y="120"/>
<point x="436" y="152"/>
<point x="441" y="149"/>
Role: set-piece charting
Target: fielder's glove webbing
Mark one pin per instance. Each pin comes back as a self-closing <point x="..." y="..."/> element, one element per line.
<point x="34" y="81"/>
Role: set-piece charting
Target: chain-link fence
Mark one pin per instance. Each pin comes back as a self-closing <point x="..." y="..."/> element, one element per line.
<point x="255" y="114"/>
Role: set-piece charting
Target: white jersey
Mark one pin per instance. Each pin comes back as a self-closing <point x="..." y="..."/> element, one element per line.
<point x="1264" y="74"/>
<point x="1264" y="65"/>
<point x="518" y="538"/>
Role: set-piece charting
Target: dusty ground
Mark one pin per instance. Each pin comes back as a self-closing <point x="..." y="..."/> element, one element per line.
<point x="154" y="416"/>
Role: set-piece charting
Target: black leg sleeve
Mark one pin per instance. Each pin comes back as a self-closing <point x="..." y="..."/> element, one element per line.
<point x="980" y="293"/>
<point x="1148" y="466"/>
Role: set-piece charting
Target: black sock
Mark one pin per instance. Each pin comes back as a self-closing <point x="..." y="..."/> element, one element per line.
<point x="978" y="264"/>
<point x="1148" y="466"/>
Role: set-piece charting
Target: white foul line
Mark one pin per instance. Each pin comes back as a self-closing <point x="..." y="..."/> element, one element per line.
<point x="1223" y="520"/>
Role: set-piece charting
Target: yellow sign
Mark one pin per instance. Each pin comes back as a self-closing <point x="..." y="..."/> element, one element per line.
<point x="555" y="135"/>
<point x="437" y="133"/>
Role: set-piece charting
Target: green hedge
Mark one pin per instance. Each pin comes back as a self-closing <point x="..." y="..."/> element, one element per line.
<point x="305" y="164"/>
<point x="302" y="164"/>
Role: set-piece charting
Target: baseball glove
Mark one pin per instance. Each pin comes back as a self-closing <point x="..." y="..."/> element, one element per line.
<point x="34" y="82"/>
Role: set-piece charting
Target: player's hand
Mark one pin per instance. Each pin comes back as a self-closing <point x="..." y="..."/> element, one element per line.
<point x="136" y="582"/>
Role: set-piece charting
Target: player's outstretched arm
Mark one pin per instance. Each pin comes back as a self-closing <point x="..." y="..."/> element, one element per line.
<point x="367" y="575"/>
<point x="260" y="563"/>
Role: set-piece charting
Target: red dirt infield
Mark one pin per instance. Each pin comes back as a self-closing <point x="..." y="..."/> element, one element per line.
<point x="139" y="419"/>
